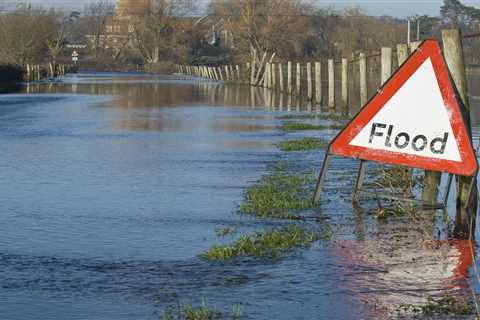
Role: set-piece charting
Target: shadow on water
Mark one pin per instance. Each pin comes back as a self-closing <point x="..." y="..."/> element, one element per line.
<point x="111" y="200"/>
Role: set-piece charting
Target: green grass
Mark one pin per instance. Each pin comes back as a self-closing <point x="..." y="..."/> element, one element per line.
<point x="267" y="244"/>
<point x="447" y="305"/>
<point x="276" y="195"/>
<point x="296" y="126"/>
<point x="322" y="116"/>
<point x="204" y="312"/>
<point x="303" y="144"/>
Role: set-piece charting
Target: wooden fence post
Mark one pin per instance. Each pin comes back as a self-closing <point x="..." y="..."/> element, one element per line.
<point x="386" y="64"/>
<point x="252" y="72"/>
<point x="232" y="72"/>
<point x="269" y="75"/>
<point x="402" y="53"/>
<point x="331" y="84"/>
<point x="29" y="75"/>
<point x="280" y="76"/>
<point x="453" y="52"/>
<point x="298" y="87"/>
<point x="362" y="63"/>
<point x="414" y="45"/>
<point x="52" y="70"/>
<point x="289" y="77"/>
<point x="273" y="72"/>
<point x="345" y="85"/>
<point x="318" y="83"/>
<point x="309" y="82"/>
<point x="220" y="73"/>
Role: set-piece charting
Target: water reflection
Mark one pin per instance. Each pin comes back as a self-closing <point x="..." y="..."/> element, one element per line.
<point x="386" y="274"/>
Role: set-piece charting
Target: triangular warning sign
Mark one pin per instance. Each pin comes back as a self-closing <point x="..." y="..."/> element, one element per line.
<point x="413" y="120"/>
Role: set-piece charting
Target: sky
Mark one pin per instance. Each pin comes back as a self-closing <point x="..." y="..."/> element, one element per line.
<point x="398" y="8"/>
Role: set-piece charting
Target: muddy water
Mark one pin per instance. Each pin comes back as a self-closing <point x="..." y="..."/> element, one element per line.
<point x="113" y="184"/>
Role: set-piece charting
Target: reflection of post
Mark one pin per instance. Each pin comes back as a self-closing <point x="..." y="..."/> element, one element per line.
<point x="331" y="85"/>
<point x="272" y="99"/>
<point x="252" y="96"/>
<point x="266" y="98"/>
<point x="318" y="83"/>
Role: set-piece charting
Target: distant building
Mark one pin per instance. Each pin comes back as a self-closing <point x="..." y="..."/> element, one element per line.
<point x="120" y="28"/>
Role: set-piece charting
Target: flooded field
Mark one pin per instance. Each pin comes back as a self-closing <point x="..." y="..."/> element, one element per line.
<point x="114" y="185"/>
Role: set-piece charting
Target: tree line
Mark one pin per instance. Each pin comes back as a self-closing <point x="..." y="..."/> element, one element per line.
<point x="227" y="31"/>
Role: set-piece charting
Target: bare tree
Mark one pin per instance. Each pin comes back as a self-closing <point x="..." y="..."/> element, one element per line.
<point x="156" y="32"/>
<point x="23" y="34"/>
<point x="60" y="29"/>
<point x="98" y="15"/>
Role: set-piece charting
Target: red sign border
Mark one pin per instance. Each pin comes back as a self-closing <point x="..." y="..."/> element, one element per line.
<point x="428" y="49"/>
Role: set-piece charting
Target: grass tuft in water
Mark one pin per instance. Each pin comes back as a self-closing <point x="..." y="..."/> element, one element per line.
<point x="204" y="312"/>
<point x="277" y="194"/>
<point x="296" y="126"/>
<point x="267" y="244"/>
<point x="227" y="231"/>
<point x="303" y="144"/>
<point x="447" y="305"/>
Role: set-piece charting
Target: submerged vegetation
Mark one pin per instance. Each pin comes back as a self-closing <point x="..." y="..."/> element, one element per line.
<point x="204" y="312"/>
<point x="313" y="116"/>
<point x="275" y="195"/>
<point x="303" y="144"/>
<point x="267" y="244"/>
<point x="447" y="305"/>
<point x="295" y="126"/>
<point x="397" y="178"/>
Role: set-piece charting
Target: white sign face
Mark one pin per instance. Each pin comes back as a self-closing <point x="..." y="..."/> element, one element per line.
<point x="414" y="121"/>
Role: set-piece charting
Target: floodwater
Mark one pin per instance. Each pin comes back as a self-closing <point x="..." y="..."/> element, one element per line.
<point x="114" y="184"/>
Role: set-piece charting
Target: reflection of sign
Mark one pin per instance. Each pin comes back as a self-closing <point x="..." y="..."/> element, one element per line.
<point x="75" y="56"/>
<point x="414" y="120"/>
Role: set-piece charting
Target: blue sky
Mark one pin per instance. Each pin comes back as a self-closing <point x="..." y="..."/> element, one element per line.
<point x="399" y="8"/>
